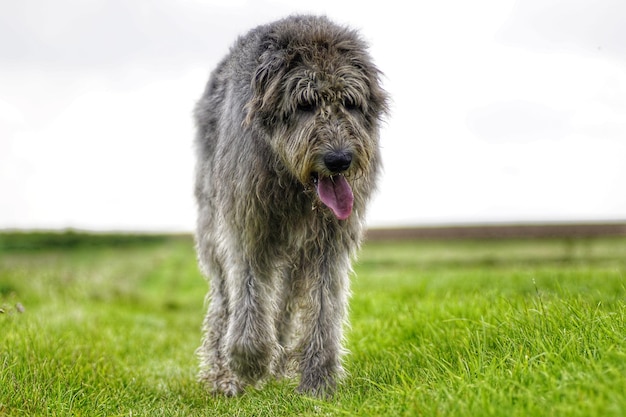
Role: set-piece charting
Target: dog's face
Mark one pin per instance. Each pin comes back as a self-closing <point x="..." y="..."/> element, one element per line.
<point x="318" y="97"/>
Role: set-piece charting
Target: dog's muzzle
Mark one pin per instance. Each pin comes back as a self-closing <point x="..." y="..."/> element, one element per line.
<point x="332" y="188"/>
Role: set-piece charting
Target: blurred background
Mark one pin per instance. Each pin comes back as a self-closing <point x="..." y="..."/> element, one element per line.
<point x="503" y="111"/>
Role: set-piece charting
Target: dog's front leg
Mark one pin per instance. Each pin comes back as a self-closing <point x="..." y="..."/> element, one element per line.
<point x="251" y="336"/>
<point x="323" y="320"/>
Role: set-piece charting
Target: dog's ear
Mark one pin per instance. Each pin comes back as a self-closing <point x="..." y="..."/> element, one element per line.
<point x="379" y="98"/>
<point x="377" y="102"/>
<point x="265" y="83"/>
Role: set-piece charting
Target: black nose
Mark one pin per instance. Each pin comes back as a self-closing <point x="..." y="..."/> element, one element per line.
<point x="338" y="161"/>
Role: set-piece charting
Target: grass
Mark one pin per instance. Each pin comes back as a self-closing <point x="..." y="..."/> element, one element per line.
<point x="484" y="328"/>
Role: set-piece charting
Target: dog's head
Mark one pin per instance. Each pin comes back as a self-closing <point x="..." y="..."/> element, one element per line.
<point x="318" y="97"/>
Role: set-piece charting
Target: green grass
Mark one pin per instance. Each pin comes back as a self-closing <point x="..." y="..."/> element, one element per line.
<point x="491" y="328"/>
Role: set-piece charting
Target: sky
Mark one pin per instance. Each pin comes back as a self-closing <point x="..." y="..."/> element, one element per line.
<point x="502" y="110"/>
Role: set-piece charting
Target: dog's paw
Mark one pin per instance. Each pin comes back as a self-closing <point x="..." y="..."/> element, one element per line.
<point x="250" y="360"/>
<point x="320" y="384"/>
<point x="230" y="387"/>
<point x="221" y="381"/>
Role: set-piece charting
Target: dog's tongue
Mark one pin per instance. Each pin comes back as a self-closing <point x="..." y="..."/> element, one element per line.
<point x="336" y="193"/>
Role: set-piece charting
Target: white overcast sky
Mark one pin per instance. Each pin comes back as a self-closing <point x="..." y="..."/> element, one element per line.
<point x="503" y="111"/>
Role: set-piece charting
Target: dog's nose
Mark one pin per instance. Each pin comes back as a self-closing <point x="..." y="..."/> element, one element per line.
<point x="338" y="161"/>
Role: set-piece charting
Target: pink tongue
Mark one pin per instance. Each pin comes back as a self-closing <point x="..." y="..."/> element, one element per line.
<point x="336" y="193"/>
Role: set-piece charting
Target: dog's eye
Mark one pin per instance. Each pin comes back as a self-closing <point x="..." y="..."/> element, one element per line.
<point x="306" y="107"/>
<point x="349" y="104"/>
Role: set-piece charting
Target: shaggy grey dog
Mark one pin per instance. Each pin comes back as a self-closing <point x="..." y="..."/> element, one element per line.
<point x="288" y="156"/>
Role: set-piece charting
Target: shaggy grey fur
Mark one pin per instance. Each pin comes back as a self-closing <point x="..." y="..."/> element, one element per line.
<point x="288" y="156"/>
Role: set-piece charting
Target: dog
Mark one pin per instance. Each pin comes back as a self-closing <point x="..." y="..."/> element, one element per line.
<point x="288" y="156"/>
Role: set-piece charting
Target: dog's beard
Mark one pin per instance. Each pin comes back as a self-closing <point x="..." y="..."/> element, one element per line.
<point x="335" y="192"/>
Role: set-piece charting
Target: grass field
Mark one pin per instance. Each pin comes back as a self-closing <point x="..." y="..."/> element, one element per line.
<point x="467" y="328"/>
